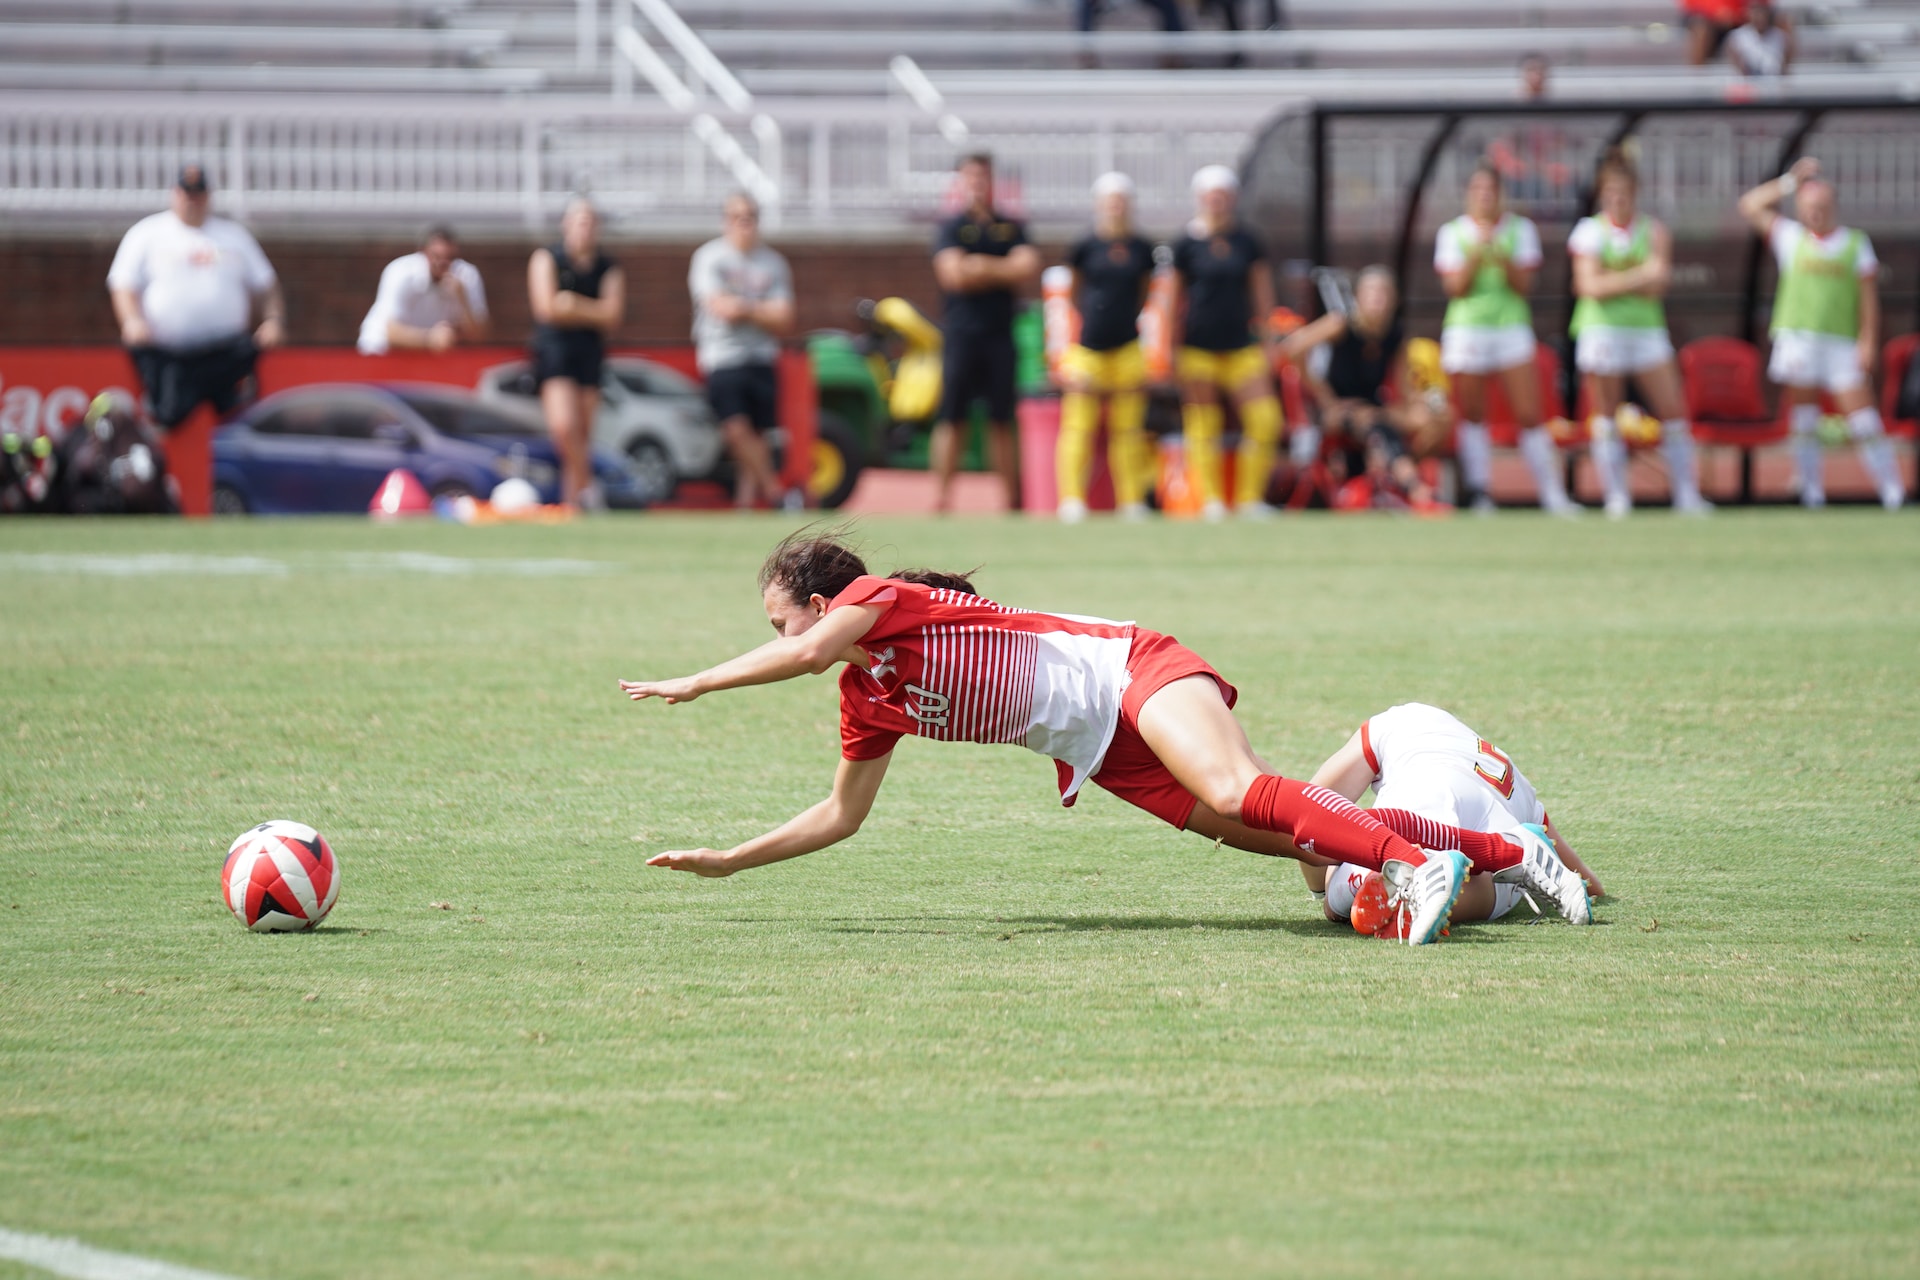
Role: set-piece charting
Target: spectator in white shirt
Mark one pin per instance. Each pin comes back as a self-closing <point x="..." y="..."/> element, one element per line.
<point x="1763" y="48"/>
<point x="742" y="306"/>
<point x="185" y="286"/>
<point x="428" y="301"/>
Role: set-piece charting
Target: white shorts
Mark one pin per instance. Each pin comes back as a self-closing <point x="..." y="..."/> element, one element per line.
<point x="1605" y="350"/>
<point x="1815" y="360"/>
<point x="1483" y="351"/>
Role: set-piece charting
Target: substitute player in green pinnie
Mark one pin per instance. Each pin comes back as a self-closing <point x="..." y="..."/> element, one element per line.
<point x="1487" y="260"/>
<point x="1826" y="325"/>
<point x="1622" y="265"/>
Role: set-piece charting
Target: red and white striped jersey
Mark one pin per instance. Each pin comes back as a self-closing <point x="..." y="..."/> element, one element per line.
<point x="1426" y="761"/>
<point x="947" y="665"/>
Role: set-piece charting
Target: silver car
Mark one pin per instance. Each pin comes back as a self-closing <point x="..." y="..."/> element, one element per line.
<point x="653" y="417"/>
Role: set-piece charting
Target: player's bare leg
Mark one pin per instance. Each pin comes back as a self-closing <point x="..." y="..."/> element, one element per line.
<point x="1667" y="396"/>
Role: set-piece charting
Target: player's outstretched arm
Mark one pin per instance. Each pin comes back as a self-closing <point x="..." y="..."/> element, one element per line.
<point x="809" y="653"/>
<point x="855" y="784"/>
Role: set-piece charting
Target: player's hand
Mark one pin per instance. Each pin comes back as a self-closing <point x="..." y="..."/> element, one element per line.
<point x="725" y="306"/>
<point x="1805" y="169"/>
<point x="711" y="863"/>
<point x="136" y="332"/>
<point x="442" y="337"/>
<point x="270" y="334"/>
<point x="672" y="691"/>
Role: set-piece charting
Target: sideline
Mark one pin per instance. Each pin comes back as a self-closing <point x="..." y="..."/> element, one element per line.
<point x="83" y="1262"/>
<point x="362" y="563"/>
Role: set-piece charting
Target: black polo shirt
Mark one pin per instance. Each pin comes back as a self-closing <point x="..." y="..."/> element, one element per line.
<point x="1113" y="278"/>
<point x="1214" y="270"/>
<point x="990" y="311"/>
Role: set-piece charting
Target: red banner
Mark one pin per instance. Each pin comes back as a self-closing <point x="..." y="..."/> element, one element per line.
<point x="45" y="390"/>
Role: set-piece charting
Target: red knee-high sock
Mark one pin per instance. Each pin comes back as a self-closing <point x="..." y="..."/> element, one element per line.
<point x="1323" y="822"/>
<point x="1486" y="851"/>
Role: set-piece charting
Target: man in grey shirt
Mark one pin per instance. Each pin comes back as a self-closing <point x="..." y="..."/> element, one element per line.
<point x="742" y="307"/>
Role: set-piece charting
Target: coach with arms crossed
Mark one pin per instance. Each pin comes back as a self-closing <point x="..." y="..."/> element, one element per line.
<point x="742" y="306"/>
<point x="980" y="260"/>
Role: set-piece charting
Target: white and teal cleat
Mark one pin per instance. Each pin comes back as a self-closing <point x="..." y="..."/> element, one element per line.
<point x="1427" y="891"/>
<point x="1541" y="871"/>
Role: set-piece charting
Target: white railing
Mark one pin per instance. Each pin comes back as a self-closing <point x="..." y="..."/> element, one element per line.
<point x="704" y="72"/>
<point x="849" y="167"/>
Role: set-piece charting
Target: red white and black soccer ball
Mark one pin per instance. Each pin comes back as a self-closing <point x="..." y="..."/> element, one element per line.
<point x="280" y="877"/>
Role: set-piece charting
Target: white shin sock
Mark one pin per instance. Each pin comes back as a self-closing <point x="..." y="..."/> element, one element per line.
<point x="1676" y="441"/>
<point x="1536" y="446"/>
<point x="1609" y="453"/>
<point x="1476" y="458"/>
<point x="1804" y="420"/>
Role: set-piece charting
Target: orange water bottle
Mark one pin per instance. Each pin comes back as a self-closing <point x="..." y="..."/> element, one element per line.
<point x="1061" y="321"/>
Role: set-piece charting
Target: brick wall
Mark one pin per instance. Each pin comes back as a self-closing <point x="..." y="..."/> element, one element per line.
<point x="54" y="291"/>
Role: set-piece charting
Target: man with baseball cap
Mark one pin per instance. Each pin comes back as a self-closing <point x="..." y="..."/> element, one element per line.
<point x="185" y="288"/>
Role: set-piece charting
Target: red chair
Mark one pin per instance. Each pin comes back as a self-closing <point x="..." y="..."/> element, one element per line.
<point x="1895" y="358"/>
<point x="1724" y="380"/>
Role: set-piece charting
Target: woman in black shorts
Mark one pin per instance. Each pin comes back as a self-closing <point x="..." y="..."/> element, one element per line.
<point x="578" y="295"/>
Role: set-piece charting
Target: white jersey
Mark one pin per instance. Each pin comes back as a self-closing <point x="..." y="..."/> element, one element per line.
<point x="196" y="284"/>
<point x="409" y="293"/>
<point x="1426" y="761"/>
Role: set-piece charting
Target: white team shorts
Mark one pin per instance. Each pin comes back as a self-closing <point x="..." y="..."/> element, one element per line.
<point x="1815" y="360"/>
<point x="1609" y="351"/>
<point x="1483" y="351"/>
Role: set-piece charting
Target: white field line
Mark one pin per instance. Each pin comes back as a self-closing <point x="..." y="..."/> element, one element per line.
<point x="159" y="564"/>
<point x="83" y="1262"/>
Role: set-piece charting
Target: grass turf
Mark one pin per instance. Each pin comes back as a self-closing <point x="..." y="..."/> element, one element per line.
<point x="987" y="1036"/>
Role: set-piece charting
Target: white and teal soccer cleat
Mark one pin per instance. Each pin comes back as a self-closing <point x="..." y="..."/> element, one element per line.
<point x="1541" y="871"/>
<point x="1427" y="891"/>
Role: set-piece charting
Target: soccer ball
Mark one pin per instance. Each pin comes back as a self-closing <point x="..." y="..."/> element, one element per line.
<point x="280" y="877"/>
<point x="1374" y="913"/>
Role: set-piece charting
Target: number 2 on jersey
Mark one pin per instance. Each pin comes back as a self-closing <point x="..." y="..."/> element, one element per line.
<point x="1495" y="768"/>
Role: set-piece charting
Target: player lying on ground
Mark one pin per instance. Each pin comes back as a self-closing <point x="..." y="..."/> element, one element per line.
<point x="1434" y="778"/>
<point x="1130" y="709"/>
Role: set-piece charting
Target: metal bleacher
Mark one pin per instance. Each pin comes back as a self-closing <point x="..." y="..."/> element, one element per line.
<point x="843" y="115"/>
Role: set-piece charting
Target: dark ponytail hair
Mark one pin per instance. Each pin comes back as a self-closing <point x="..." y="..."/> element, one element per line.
<point x="817" y="561"/>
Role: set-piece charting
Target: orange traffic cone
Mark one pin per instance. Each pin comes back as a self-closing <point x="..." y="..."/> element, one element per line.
<point x="400" y="494"/>
<point x="1179" y="496"/>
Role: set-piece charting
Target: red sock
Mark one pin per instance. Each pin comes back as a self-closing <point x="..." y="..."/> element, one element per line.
<point x="1486" y="851"/>
<point x="1323" y="822"/>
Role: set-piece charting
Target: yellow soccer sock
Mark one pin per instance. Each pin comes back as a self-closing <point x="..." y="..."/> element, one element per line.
<point x="1073" y="456"/>
<point x="1129" y="456"/>
<point x="1259" y="439"/>
<point x="1202" y="424"/>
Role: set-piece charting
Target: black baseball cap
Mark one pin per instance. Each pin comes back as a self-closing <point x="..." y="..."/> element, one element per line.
<point x="192" y="179"/>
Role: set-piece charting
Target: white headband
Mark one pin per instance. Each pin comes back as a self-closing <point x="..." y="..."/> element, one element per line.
<point x="1215" y="177"/>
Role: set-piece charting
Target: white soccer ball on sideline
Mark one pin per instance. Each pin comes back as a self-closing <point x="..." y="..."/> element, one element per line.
<point x="280" y="877"/>
<point x="514" y="494"/>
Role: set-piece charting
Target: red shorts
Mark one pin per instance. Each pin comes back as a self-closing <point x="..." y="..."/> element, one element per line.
<point x="1131" y="770"/>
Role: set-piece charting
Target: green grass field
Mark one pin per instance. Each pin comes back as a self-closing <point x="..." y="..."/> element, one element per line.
<point x="988" y="1036"/>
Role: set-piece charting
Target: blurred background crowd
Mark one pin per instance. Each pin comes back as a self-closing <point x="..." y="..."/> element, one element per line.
<point x="1200" y="260"/>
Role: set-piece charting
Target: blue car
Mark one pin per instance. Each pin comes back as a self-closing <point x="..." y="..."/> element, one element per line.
<point x="328" y="446"/>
